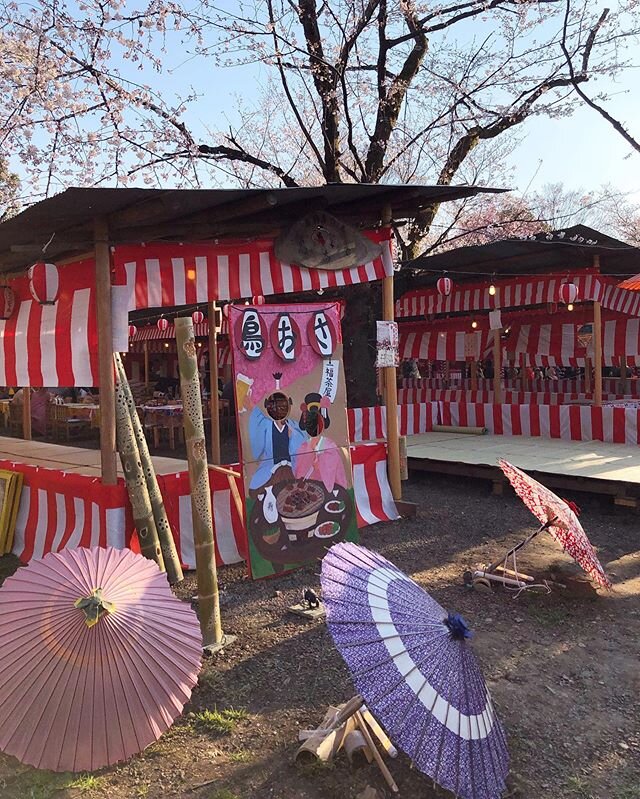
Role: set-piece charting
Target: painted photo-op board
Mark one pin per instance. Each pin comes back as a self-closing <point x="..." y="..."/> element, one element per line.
<point x="293" y="436"/>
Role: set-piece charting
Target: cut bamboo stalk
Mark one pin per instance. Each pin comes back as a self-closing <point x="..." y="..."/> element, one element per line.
<point x="135" y="482"/>
<point x="324" y="743"/>
<point x="203" y="534"/>
<point x="165" y="536"/>
<point x="376" y="754"/>
<point x="213" y="384"/>
<point x="379" y="733"/>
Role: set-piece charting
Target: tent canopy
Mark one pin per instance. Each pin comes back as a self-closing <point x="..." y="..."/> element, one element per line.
<point x="62" y="226"/>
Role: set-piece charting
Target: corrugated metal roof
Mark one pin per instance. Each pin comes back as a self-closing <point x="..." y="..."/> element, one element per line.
<point x="63" y="224"/>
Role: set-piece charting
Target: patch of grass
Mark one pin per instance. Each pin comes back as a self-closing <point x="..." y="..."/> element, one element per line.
<point x="241" y="756"/>
<point x="224" y="793"/>
<point x="580" y="787"/>
<point x="627" y="792"/>
<point x="220" y="721"/>
<point x="85" y="782"/>
<point x="548" y="616"/>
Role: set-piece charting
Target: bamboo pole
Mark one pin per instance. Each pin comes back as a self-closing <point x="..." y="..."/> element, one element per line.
<point x="135" y="481"/>
<point x="497" y="368"/>
<point x="26" y="413"/>
<point x="597" y="353"/>
<point x="105" y="353"/>
<point x="213" y="380"/>
<point x="390" y="388"/>
<point x="376" y="754"/>
<point x="165" y="536"/>
<point x="203" y="535"/>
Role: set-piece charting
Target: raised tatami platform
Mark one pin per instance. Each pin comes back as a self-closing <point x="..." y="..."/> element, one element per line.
<point x="71" y="459"/>
<point x="578" y="465"/>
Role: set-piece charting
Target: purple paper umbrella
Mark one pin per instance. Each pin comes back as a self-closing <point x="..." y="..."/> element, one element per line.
<point x="416" y="672"/>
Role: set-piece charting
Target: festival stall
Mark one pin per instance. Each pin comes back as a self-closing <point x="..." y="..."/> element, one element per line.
<point x="577" y="317"/>
<point x="67" y="317"/>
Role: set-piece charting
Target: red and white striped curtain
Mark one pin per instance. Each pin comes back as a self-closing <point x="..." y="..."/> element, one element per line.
<point x="52" y="345"/>
<point x="519" y="293"/>
<point x="163" y="275"/>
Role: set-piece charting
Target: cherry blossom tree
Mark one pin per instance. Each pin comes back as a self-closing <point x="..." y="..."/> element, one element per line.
<point x="351" y="90"/>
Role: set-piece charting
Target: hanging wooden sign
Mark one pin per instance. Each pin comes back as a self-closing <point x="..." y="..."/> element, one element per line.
<point x="285" y="338"/>
<point x="251" y="334"/>
<point x="322" y="334"/>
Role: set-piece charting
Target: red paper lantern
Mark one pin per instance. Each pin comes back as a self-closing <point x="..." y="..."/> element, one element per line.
<point x="44" y="283"/>
<point x="257" y="300"/>
<point x="132" y="331"/>
<point x="444" y="286"/>
<point x="568" y="293"/>
<point x="197" y="317"/>
<point x="162" y="324"/>
<point x="7" y="302"/>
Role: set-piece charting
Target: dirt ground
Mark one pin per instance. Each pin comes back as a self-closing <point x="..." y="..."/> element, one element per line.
<point x="564" y="671"/>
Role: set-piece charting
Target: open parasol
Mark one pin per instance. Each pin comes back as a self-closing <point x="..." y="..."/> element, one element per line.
<point x="559" y="518"/>
<point x="631" y="283"/>
<point x="414" y="669"/>
<point x="97" y="658"/>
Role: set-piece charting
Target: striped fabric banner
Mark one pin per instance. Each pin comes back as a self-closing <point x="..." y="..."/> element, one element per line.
<point x="374" y="500"/>
<point x="566" y="422"/>
<point x="411" y="396"/>
<point x="610" y="385"/>
<point x="52" y="345"/>
<point x="162" y="275"/>
<point x="370" y="424"/>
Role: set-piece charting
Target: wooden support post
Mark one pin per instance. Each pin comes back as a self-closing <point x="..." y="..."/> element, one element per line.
<point x="474" y="375"/>
<point x="497" y="368"/>
<point x="203" y="534"/>
<point x="597" y="353"/>
<point x="145" y="347"/>
<point x="587" y="375"/>
<point x="213" y="383"/>
<point x="624" y="375"/>
<point x="390" y="387"/>
<point x="26" y="413"/>
<point x="447" y="374"/>
<point x="105" y="353"/>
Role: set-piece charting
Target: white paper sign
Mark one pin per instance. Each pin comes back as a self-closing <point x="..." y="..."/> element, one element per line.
<point x="329" y="382"/>
<point x="495" y="320"/>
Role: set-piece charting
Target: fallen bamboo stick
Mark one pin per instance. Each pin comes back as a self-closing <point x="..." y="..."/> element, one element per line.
<point x="379" y="733"/>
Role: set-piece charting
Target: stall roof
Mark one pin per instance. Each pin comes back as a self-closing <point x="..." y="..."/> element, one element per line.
<point x="63" y="225"/>
<point x="555" y="251"/>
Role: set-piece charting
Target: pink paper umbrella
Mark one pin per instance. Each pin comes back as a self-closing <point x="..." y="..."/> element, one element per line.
<point x="97" y="658"/>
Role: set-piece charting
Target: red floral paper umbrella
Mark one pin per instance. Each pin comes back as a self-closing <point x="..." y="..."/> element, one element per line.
<point x="559" y="518"/>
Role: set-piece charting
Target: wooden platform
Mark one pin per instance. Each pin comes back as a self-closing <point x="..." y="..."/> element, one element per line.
<point x="594" y="466"/>
<point x="71" y="459"/>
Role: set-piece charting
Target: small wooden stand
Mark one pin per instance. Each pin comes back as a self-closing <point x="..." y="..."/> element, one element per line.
<point x="353" y="727"/>
<point x="310" y="614"/>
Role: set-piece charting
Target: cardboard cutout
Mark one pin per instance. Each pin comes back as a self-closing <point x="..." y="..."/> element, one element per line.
<point x="293" y="440"/>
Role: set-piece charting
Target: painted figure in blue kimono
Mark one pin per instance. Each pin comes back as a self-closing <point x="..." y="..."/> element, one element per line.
<point x="275" y="441"/>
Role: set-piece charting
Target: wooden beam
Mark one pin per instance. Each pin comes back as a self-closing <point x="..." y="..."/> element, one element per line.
<point x="145" y="348"/>
<point x="497" y="368"/>
<point x="474" y="375"/>
<point x="105" y="353"/>
<point x="213" y="384"/>
<point x="26" y="413"/>
<point x="390" y="388"/>
<point x="597" y="353"/>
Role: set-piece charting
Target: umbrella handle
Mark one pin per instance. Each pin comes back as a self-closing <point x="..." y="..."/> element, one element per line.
<point x="519" y="546"/>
